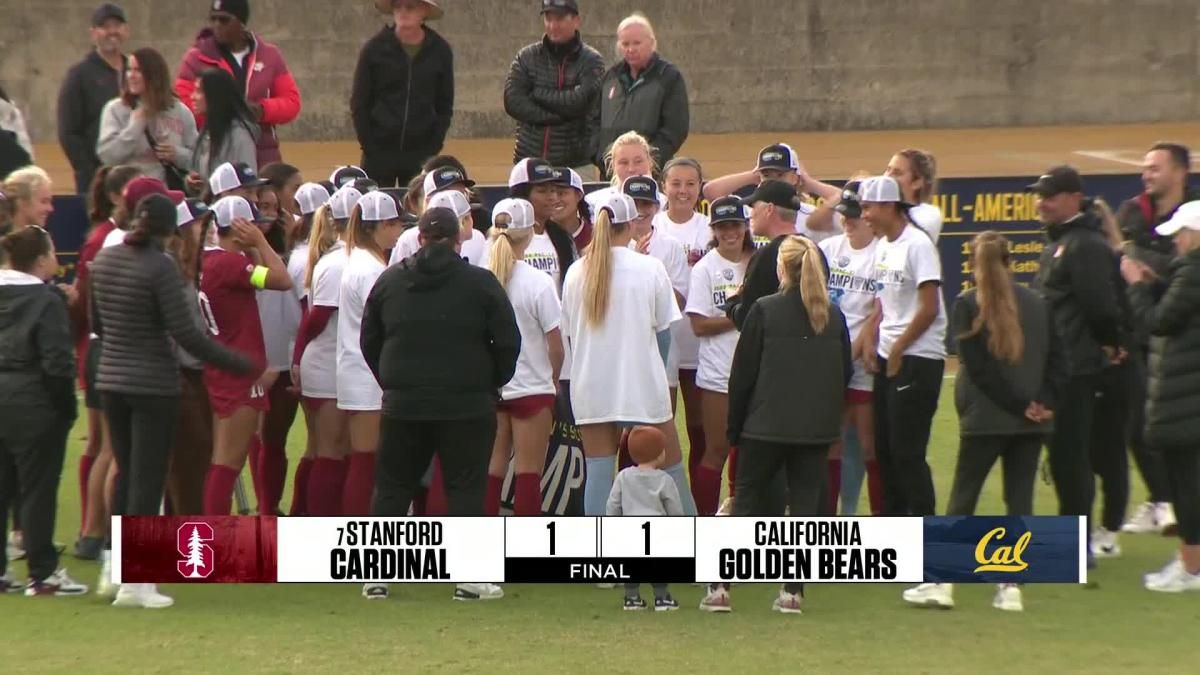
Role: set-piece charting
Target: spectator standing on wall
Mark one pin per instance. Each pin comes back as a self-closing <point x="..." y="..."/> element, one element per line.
<point x="644" y="93"/>
<point x="551" y="90"/>
<point x="403" y="95"/>
<point x="257" y="65"/>
<point x="87" y="88"/>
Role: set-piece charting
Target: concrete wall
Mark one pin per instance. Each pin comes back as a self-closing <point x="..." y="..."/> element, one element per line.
<point x="751" y="65"/>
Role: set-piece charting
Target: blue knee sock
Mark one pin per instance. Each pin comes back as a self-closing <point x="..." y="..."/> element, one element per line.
<point x="664" y="344"/>
<point x="678" y="473"/>
<point x="598" y="484"/>
<point x="853" y="470"/>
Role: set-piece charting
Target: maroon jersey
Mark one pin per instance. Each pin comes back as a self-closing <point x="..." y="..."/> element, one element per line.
<point x="230" y="309"/>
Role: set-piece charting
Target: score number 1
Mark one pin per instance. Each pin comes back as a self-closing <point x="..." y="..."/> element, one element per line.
<point x="645" y="529"/>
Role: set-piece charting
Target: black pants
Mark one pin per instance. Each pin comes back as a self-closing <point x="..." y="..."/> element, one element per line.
<point x="1070" y="454"/>
<point x="142" y="429"/>
<point x="33" y="445"/>
<point x="632" y="590"/>
<point x="978" y="454"/>
<point x="1183" y="473"/>
<point x="1110" y="431"/>
<point x="904" y="410"/>
<point x="392" y="169"/>
<point x="1149" y="461"/>
<point x="406" y="447"/>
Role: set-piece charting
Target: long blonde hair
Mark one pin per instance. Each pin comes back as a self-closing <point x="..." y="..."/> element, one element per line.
<point x="804" y="270"/>
<point x="598" y="264"/>
<point x="361" y="234"/>
<point x="503" y="251"/>
<point x="321" y="238"/>
<point x="628" y="138"/>
<point x="996" y="298"/>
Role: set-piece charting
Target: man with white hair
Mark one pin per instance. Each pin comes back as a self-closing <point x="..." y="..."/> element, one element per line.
<point x="644" y="93"/>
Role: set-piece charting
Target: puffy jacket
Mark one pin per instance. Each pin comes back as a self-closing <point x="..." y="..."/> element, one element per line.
<point x="1138" y="217"/>
<point x="655" y="106"/>
<point x="87" y="88"/>
<point x="1077" y="276"/>
<point x="269" y="83"/>
<point x="37" y="357"/>
<point x="1173" y="398"/>
<point x="403" y="105"/>
<point x="441" y="337"/>
<point x="551" y="91"/>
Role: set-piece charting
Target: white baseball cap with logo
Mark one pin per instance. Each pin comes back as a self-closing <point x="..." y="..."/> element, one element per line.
<point x="342" y="202"/>
<point x="444" y="178"/>
<point x="450" y="199"/>
<point x="881" y="190"/>
<point x="1186" y="217"/>
<point x="378" y="206"/>
<point x="519" y="212"/>
<point x="310" y="197"/>
<point x="229" y="209"/>
<point x="230" y="176"/>
<point x="621" y="208"/>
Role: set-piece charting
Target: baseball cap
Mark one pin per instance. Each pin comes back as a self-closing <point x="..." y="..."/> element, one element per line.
<point x="450" y="199"/>
<point x="234" y="175"/>
<point x="342" y="202"/>
<point x="435" y="12"/>
<point x="850" y="206"/>
<point x="444" y="177"/>
<point x="108" y="11"/>
<point x="1187" y="216"/>
<point x="439" y="223"/>
<point x="564" y="6"/>
<point x="774" y="192"/>
<point x="727" y="209"/>
<point x="378" y="206"/>
<point x="229" y="209"/>
<point x="641" y="188"/>
<point x="345" y="175"/>
<point x="189" y="211"/>
<point x="533" y="171"/>
<point x="572" y="178"/>
<point x="519" y="212"/>
<point x="620" y="206"/>
<point x="143" y="186"/>
<point x="310" y="197"/>
<point x="778" y="156"/>
<point x="1056" y="181"/>
<point x="238" y="8"/>
<point x="881" y="190"/>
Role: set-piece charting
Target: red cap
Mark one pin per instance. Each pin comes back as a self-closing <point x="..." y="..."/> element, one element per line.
<point x="143" y="186"/>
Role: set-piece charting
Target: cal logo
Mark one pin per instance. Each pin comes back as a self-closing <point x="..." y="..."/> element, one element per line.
<point x="1003" y="558"/>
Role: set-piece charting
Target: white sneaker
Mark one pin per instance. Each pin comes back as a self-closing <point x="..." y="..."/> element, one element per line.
<point x="1164" y="517"/>
<point x="1104" y="544"/>
<point x="930" y="595"/>
<point x="57" y="584"/>
<point x="716" y="601"/>
<point x="375" y="591"/>
<point x="788" y="603"/>
<point x="105" y="587"/>
<point x="145" y="596"/>
<point x="1174" y="579"/>
<point x="1169" y="570"/>
<point x="8" y="584"/>
<point x="1143" y="520"/>
<point x="1008" y="598"/>
<point x="471" y="592"/>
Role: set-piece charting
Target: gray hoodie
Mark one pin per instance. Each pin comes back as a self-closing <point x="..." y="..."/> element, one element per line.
<point x="123" y="137"/>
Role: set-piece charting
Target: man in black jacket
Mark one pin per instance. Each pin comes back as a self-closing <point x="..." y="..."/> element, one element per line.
<point x="1075" y="277"/>
<point x="551" y="90"/>
<point x="441" y="337"/>
<point x="402" y="100"/>
<point x="89" y="85"/>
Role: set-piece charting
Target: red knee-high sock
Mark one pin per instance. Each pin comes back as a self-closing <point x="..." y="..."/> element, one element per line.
<point x="834" y="490"/>
<point x="218" y="490"/>
<point x="528" y="501"/>
<point x="732" y="464"/>
<point x="300" y="487"/>
<point x="696" y="445"/>
<point x="256" y="475"/>
<point x="418" y="502"/>
<point x="359" y="487"/>
<point x="874" y="487"/>
<point x="85" y="470"/>
<point x="624" y="460"/>
<point x="435" y="501"/>
<point x="272" y="473"/>
<point x="325" y="487"/>
<point x="706" y="489"/>
<point x="491" y="498"/>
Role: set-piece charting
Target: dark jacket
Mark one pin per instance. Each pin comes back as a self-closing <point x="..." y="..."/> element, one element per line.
<point x="655" y="106"/>
<point x="762" y="279"/>
<point x="1173" y="400"/>
<point x="403" y="106"/>
<point x="37" y="355"/>
<point x="788" y="383"/>
<point x="1076" y="275"/>
<point x="89" y="85"/>
<point x="992" y="395"/>
<point x="137" y="307"/>
<point x="551" y="91"/>
<point x="440" y="336"/>
<point x="1138" y="217"/>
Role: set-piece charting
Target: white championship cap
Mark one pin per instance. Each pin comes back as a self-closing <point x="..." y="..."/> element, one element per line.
<point x="533" y="171"/>
<point x="378" y="206"/>
<point x="519" y="212"/>
<point x="231" y="176"/>
<point x="880" y="190"/>
<point x="450" y="199"/>
<point x="229" y="209"/>
<point x="310" y="197"/>
<point x="1187" y="216"/>
<point x="342" y="202"/>
<point x="621" y="208"/>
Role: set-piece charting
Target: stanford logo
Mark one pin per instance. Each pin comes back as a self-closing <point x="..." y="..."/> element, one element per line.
<point x="198" y="558"/>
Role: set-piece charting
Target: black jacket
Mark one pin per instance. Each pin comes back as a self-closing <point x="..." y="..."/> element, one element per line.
<point x="1077" y="276"/>
<point x="655" y="106"/>
<point x="762" y="279"/>
<point x="1173" y="401"/>
<point x="138" y="305"/>
<point x="400" y="105"/>
<point x="89" y="85"/>
<point x="37" y="354"/>
<point x="788" y="383"/>
<point x="991" y="395"/>
<point x="440" y="336"/>
<point x="1138" y="217"/>
<point x="551" y="91"/>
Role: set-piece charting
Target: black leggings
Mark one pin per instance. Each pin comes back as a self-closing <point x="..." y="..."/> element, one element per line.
<point x="977" y="455"/>
<point x="1183" y="474"/>
<point x="142" y="429"/>
<point x="1110" y="430"/>
<point x="904" y="410"/>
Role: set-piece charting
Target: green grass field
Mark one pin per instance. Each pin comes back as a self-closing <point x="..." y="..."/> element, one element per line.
<point x="1112" y="626"/>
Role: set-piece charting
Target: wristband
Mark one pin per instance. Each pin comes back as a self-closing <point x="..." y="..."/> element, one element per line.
<point x="258" y="278"/>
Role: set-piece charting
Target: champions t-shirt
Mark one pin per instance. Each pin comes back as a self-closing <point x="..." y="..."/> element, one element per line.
<point x="357" y="388"/>
<point x="670" y="252"/>
<point x="318" y="366"/>
<point x="901" y="267"/>
<point x="229" y="306"/>
<point x="852" y="287"/>
<point x="534" y="299"/>
<point x="714" y="279"/>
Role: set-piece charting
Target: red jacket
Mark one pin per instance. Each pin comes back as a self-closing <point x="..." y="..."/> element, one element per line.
<point x="268" y="83"/>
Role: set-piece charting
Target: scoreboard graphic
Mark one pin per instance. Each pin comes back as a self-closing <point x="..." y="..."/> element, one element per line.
<point x="232" y="549"/>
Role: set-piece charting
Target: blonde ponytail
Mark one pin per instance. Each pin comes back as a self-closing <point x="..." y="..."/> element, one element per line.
<point x="598" y="264"/>
<point x="804" y="270"/>
<point x="361" y="234"/>
<point x="503" y="252"/>
<point x="996" y="298"/>
<point x="321" y="238"/>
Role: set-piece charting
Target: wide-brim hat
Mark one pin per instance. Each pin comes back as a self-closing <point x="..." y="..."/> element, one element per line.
<point x="435" y="12"/>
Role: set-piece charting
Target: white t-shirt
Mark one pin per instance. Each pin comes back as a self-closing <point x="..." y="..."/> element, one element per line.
<point x="929" y="217"/>
<point x="318" y="366"/>
<point x="817" y="236"/>
<point x="357" y="388"/>
<point x="901" y="266"/>
<point x="280" y="315"/>
<point x="617" y="373"/>
<point x="298" y="268"/>
<point x="117" y="236"/>
<point x="695" y="236"/>
<point x="714" y="279"/>
<point x="852" y="288"/>
<point x="670" y="252"/>
<point x="535" y="301"/>
<point x="409" y="243"/>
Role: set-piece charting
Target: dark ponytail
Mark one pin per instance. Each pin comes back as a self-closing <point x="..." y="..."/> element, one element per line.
<point x="564" y="245"/>
<point x="109" y="180"/>
<point x="153" y="221"/>
<point x="24" y="247"/>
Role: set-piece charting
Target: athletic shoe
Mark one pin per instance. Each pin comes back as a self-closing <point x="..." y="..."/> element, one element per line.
<point x="1150" y="518"/>
<point x="88" y="548"/>
<point x="665" y="604"/>
<point x="788" y="603"/>
<point x="1169" y="570"/>
<point x="635" y="603"/>
<point x="8" y="584"/>
<point x="145" y="596"/>
<point x="1174" y="579"/>
<point x="717" y="600"/>
<point x="375" y="591"/>
<point x="930" y="595"/>
<point x="1164" y="516"/>
<point x="1104" y="544"/>
<point x="726" y="507"/>
<point x="14" y="547"/>
<point x="57" y="584"/>
<point x="470" y="592"/>
<point x="1008" y="598"/>
<point x="105" y="587"/>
